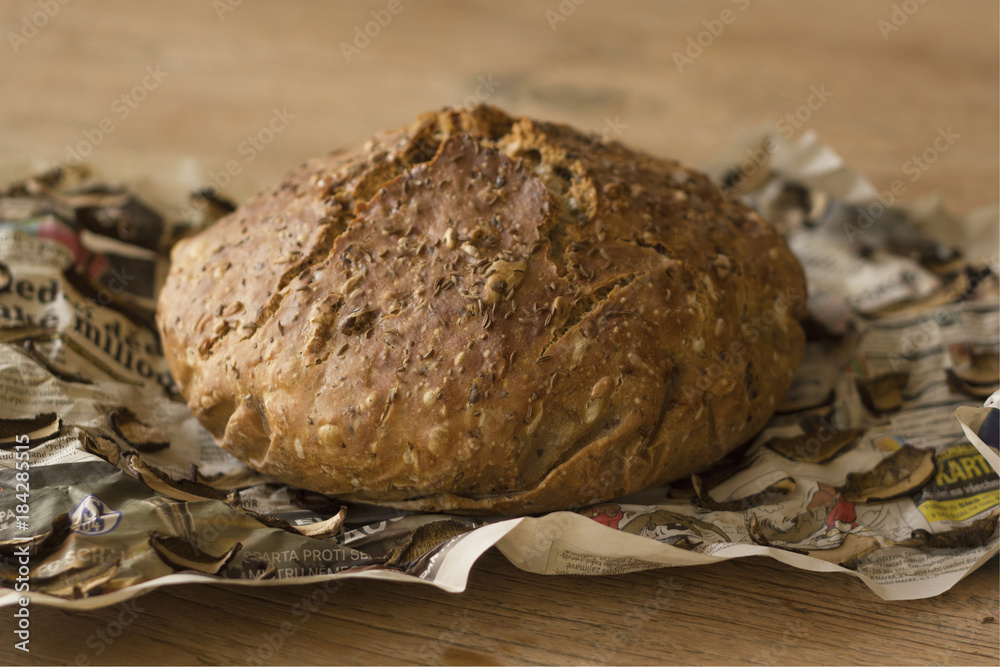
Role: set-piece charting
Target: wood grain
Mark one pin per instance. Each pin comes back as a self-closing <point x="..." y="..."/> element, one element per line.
<point x="755" y="611"/>
<point x="607" y="62"/>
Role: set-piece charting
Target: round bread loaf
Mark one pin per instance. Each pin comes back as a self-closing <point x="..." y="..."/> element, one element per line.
<point x="484" y="314"/>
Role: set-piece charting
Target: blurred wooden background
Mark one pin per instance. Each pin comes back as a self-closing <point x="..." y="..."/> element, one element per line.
<point x="228" y="64"/>
<point x="212" y="73"/>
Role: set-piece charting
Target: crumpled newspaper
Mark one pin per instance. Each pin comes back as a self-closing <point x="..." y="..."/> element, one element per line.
<point x="112" y="488"/>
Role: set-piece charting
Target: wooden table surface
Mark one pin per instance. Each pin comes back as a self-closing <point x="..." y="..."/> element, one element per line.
<point x="894" y="74"/>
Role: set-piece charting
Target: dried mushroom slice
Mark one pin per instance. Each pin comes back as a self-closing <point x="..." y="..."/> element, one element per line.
<point x="244" y="478"/>
<point x="883" y="393"/>
<point x="977" y="391"/>
<point x="900" y="474"/>
<point x="744" y="181"/>
<point x="178" y="489"/>
<point x="756" y="533"/>
<point x="424" y="539"/>
<point x="711" y="477"/>
<point x="233" y="500"/>
<point x="139" y="435"/>
<point x="78" y="582"/>
<point x="206" y="207"/>
<point x="5" y="277"/>
<point x="184" y="555"/>
<point x="325" y="528"/>
<point x="979" y="378"/>
<point x="908" y="307"/>
<point x="976" y="534"/>
<point x="41" y="545"/>
<point x="848" y="552"/>
<point x="984" y="368"/>
<point x="783" y="487"/>
<point x="845" y="554"/>
<point x="32" y="352"/>
<point x="814" y="447"/>
<point x="40" y="428"/>
<point x="685" y="542"/>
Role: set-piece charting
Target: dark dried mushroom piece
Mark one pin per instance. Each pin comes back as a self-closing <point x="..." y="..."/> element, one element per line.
<point x="31" y="350"/>
<point x="242" y="478"/>
<point x="183" y="555"/>
<point x="792" y="404"/>
<point x="814" y="382"/>
<point x="311" y="500"/>
<point x="900" y="474"/>
<point x="139" y="435"/>
<point x="325" y="528"/>
<point x="161" y="482"/>
<point x="883" y="393"/>
<point x="984" y="368"/>
<point x="743" y="181"/>
<point x="979" y="378"/>
<point x="424" y="539"/>
<point x="41" y="545"/>
<point x="5" y="277"/>
<point x="78" y="582"/>
<point x="756" y="533"/>
<point x="233" y="500"/>
<point x="115" y="213"/>
<point x="685" y="542"/>
<point x="848" y="552"/>
<point x="976" y="534"/>
<point x="713" y="476"/>
<point x="814" y="447"/>
<point x="213" y="205"/>
<point x="845" y="554"/>
<point x="39" y="429"/>
<point x="957" y="290"/>
<point x="783" y="487"/>
<point x="796" y="205"/>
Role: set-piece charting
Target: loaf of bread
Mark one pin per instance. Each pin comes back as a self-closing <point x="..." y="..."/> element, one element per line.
<point x="482" y="313"/>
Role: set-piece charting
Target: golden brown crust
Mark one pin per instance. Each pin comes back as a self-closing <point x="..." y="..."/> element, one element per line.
<point x="482" y="313"/>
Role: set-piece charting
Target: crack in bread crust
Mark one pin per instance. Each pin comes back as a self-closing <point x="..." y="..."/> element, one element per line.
<point x="482" y="313"/>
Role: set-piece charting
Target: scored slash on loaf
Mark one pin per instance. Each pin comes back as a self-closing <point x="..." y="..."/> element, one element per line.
<point x="484" y="313"/>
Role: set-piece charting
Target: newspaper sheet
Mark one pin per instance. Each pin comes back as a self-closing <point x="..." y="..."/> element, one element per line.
<point x="109" y="487"/>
